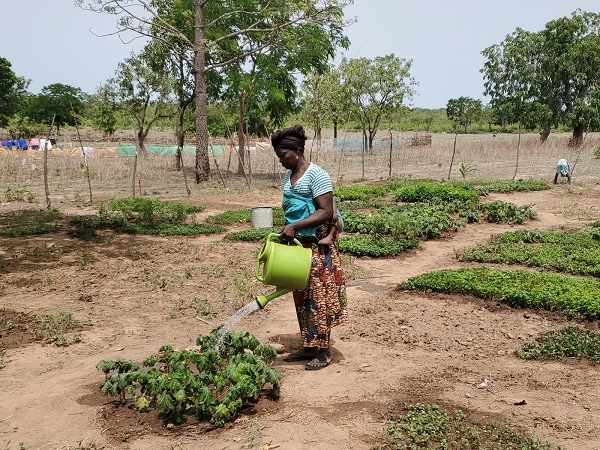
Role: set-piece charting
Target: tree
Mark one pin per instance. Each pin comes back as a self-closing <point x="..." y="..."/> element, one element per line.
<point x="548" y="77"/>
<point x="265" y="80"/>
<point x="376" y="88"/>
<point x="142" y="92"/>
<point x="324" y="100"/>
<point x="219" y="41"/>
<point x="13" y="90"/>
<point x="517" y="84"/>
<point x="102" y="110"/>
<point x="463" y="111"/>
<point x="56" y="102"/>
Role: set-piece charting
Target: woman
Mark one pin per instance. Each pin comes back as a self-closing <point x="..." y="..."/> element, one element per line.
<point x="308" y="206"/>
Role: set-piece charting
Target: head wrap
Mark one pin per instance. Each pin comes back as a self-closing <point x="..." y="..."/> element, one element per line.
<point x="292" y="138"/>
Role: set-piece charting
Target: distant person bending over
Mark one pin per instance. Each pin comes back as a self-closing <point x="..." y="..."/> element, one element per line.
<point x="562" y="169"/>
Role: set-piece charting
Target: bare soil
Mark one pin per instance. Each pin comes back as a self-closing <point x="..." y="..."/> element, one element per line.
<point x="134" y="294"/>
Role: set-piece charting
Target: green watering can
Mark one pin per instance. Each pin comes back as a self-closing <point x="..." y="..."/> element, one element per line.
<point x="287" y="267"/>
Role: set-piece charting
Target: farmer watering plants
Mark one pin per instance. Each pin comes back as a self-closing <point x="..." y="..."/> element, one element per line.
<point x="310" y="217"/>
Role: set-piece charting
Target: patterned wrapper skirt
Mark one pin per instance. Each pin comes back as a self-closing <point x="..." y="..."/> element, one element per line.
<point x="322" y="304"/>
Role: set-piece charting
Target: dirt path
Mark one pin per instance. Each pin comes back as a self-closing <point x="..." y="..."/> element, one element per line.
<point x="398" y="346"/>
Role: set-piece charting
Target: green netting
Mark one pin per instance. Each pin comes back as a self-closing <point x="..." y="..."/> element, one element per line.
<point x="167" y="150"/>
<point x="125" y="150"/>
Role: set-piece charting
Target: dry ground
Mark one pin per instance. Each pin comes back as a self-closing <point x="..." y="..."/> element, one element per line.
<point x="136" y="293"/>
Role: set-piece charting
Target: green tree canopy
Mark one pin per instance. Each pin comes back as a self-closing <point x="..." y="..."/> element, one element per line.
<point x="376" y="88"/>
<point x="13" y="90"/>
<point x="463" y="111"/>
<point x="142" y="92"/>
<point x="57" y="101"/>
<point x="548" y="77"/>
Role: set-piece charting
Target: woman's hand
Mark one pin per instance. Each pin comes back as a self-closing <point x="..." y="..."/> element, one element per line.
<point x="287" y="234"/>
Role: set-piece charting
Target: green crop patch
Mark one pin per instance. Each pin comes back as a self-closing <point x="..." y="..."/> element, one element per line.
<point x="571" y="296"/>
<point x="375" y="247"/>
<point x="568" y="342"/>
<point x="428" y="426"/>
<point x="29" y="222"/>
<point x="576" y="253"/>
<point x="148" y="211"/>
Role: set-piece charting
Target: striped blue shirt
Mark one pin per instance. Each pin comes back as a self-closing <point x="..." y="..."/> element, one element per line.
<point x="315" y="181"/>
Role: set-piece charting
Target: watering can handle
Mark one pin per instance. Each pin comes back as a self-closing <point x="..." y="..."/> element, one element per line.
<point x="262" y="256"/>
<point x="273" y="236"/>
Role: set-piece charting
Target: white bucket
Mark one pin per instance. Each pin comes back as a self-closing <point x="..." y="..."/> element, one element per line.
<point x="262" y="217"/>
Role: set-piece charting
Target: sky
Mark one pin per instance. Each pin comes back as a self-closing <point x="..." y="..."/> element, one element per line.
<point x="53" y="41"/>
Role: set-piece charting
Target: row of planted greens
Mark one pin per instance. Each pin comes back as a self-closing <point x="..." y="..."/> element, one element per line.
<point x="386" y="219"/>
<point x="564" y="267"/>
<point x="380" y="220"/>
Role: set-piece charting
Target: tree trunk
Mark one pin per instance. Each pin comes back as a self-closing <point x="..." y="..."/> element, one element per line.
<point x="202" y="161"/>
<point x="318" y="137"/>
<point x="364" y="150"/>
<point x="518" y="153"/>
<point x="335" y="128"/>
<point x="544" y="133"/>
<point x="141" y="138"/>
<point x="371" y="139"/>
<point x="578" y="135"/>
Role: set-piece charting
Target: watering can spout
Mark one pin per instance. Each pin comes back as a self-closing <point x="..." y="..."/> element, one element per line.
<point x="262" y="300"/>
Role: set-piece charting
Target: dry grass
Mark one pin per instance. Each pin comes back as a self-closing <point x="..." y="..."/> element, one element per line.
<point x="491" y="157"/>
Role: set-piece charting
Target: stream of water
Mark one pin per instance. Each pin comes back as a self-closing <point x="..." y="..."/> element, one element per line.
<point x="234" y="319"/>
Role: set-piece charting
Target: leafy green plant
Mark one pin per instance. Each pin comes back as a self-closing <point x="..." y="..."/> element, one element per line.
<point x="571" y="296"/>
<point x="171" y="229"/>
<point x="425" y="192"/>
<point x="505" y="186"/>
<point x="28" y="230"/>
<point x="19" y="194"/>
<point x="427" y="426"/>
<point x="142" y="216"/>
<point x="244" y="216"/>
<point x="213" y="381"/>
<point x="52" y="328"/>
<point x="466" y="169"/>
<point x="568" y="342"/>
<point x="503" y="212"/>
<point x="107" y="220"/>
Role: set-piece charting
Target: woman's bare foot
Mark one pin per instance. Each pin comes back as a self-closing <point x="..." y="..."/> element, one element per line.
<point x="326" y="241"/>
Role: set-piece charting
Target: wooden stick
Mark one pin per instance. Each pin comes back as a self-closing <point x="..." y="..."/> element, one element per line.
<point x="47" y="190"/>
<point x="87" y="169"/>
<point x="205" y="321"/>
<point x="187" y="187"/>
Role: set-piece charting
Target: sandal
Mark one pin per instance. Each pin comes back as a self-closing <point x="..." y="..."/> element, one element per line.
<point x="319" y="362"/>
<point x="306" y="354"/>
